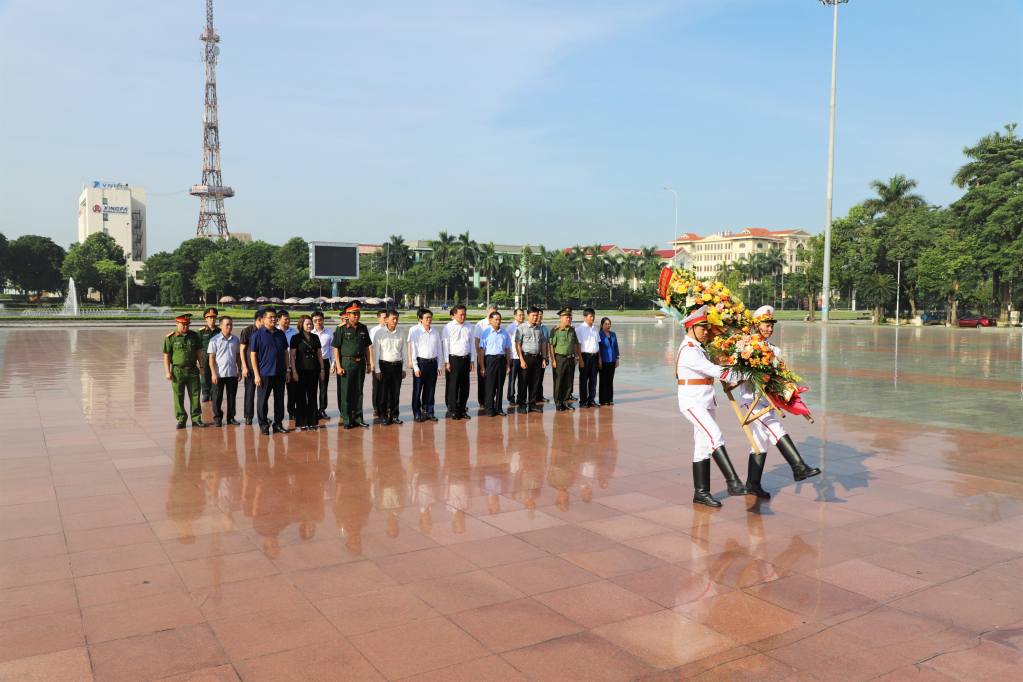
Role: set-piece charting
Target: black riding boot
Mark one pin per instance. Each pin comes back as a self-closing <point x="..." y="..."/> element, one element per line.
<point x="799" y="469"/>
<point x="735" y="486"/>
<point x="701" y="481"/>
<point x="756" y="470"/>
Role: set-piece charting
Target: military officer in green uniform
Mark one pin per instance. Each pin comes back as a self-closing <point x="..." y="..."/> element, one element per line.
<point x="353" y="358"/>
<point x="207" y="334"/>
<point x="181" y="361"/>
<point x="564" y="357"/>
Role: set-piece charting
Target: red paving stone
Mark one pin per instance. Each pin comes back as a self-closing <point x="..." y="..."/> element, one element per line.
<point x="533" y="547"/>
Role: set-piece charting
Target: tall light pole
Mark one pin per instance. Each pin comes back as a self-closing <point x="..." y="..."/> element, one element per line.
<point x="674" y="244"/>
<point x="898" y="288"/>
<point x="826" y="285"/>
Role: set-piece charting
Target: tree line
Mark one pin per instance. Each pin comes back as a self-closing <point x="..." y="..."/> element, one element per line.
<point x="966" y="255"/>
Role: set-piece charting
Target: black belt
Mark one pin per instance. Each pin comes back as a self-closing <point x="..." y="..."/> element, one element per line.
<point x="390" y="362"/>
<point x="533" y="355"/>
<point x="463" y="357"/>
<point x="349" y="357"/>
<point x="427" y="360"/>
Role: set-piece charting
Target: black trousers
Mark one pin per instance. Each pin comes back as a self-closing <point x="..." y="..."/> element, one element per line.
<point x="249" y="401"/>
<point x="458" y="382"/>
<point x="275" y="385"/>
<point x="539" y="393"/>
<point x="390" y="388"/>
<point x="481" y="385"/>
<point x="607" y="383"/>
<point x="532" y="376"/>
<point x="424" y="388"/>
<point x="306" y="402"/>
<point x="292" y="389"/>
<point x="564" y="376"/>
<point x="516" y="384"/>
<point x="588" y="378"/>
<point x="228" y="385"/>
<point x="324" y="387"/>
<point x="497" y="366"/>
<point x="376" y="395"/>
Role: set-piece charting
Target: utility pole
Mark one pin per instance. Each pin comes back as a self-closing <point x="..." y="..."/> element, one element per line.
<point x="898" y="289"/>
<point x="826" y="285"/>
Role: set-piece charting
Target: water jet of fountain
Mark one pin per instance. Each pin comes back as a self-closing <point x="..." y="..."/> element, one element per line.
<point x="70" y="308"/>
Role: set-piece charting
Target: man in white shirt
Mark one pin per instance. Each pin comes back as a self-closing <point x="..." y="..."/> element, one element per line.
<point x="459" y="351"/>
<point x="481" y="327"/>
<point x="589" y="350"/>
<point x="381" y="322"/>
<point x="516" y="384"/>
<point x="390" y="366"/>
<point x="225" y="364"/>
<point x="424" y="350"/>
<point x="326" y="339"/>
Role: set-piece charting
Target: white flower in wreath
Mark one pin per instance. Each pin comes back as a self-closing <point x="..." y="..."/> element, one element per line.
<point x="690" y="301"/>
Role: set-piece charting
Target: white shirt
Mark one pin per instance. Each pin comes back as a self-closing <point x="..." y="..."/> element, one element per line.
<point x="458" y="339"/>
<point x="423" y="344"/>
<point x="589" y="341"/>
<point x="373" y="332"/>
<point x="326" y="340"/>
<point x="388" y="346"/>
<point x="225" y="352"/>
<point x="512" y="326"/>
<point x="692" y="362"/>
<point x="478" y="330"/>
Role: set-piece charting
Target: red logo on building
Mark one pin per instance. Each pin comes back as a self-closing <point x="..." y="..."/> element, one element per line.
<point x="97" y="209"/>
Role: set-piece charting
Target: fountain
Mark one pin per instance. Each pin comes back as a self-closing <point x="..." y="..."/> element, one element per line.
<point x="70" y="308"/>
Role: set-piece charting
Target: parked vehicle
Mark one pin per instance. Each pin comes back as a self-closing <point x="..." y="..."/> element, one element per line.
<point x="933" y="317"/>
<point x="976" y="321"/>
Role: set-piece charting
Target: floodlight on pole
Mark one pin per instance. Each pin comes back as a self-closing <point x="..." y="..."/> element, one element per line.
<point x="826" y="283"/>
<point x="674" y="244"/>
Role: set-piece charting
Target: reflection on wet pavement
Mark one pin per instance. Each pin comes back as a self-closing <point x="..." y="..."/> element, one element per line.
<point x="561" y="546"/>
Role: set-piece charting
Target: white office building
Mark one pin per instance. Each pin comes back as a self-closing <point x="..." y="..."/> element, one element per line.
<point x="119" y="210"/>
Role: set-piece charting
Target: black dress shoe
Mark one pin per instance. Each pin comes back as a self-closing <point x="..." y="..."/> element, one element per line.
<point x="385" y="422"/>
<point x="218" y="423"/>
<point x="265" y="430"/>
<point x="199" y="424"/>
<point x="248" y="422"/>
<point x="207" y="399"/>
<point x="456" y="417"/>
<point x="465" y="416"/>
<point x="362" y="424"/>
<point x="501" y="413"/>
<point x="433" y="418"/>
<point x="570" y="408"/>
<point x="349" y="426"/>
<point x="181" y="425"/>
<point x="233" y="422"/>
<point x="395" y="420"/>
<point x="278" y="428"/>
<point x="418" y="420"/>
<point x="535" y="409"/>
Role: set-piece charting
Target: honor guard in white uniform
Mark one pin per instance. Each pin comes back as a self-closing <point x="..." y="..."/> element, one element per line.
<point x="696" y="374"/>
<point x="767" y="428"/>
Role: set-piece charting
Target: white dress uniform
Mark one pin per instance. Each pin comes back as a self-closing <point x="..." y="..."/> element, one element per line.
<point x="767" y="428"/>
<point x="696" y="374"/>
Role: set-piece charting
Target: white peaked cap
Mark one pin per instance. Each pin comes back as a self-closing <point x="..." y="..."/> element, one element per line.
<point x="697" y="316"/>
<point x="764" y="310"/>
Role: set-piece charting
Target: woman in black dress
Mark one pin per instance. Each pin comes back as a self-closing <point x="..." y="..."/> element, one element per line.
<point x="307" y="371"/>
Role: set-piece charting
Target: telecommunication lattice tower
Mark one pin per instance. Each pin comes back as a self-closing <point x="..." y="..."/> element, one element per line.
<point x="211" y="191"/>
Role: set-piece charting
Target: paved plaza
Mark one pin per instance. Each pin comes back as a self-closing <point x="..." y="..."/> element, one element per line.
<point x="561" y="546"/>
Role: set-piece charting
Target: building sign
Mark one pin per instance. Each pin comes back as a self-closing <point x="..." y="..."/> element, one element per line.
<point x="121" y="210"/>
<point x="98" y="184"/>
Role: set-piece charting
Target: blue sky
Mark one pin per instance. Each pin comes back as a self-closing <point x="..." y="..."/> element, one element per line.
<point x="543" y="122"/>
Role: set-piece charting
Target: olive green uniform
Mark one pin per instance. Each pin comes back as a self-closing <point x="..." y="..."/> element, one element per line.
<point x="563" y="343"/>
<point x="206" y="380"/>
<point x="351" y="342"/>
<point x="184" y="350"/>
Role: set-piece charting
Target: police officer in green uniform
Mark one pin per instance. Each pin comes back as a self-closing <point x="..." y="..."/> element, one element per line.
<point x="564" y="357"/>
<point x="207" y="334"/>
<point x="181" y="361"/>
<point x="353" y="358"/>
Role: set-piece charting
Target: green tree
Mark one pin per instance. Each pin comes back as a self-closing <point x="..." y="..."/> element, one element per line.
<point x="893" y="196"/>
<point x="488" y="264"/>
<point x="153" y="274"/>
<point x="442" y="250"/>
<point x="950" y="266"/>
<point x="82" y="259"/>
<point x="992" y="210"/>
<point x="876" y="290"/>
<point x="214" y="274"/>
<point x="251" y="267"/>
<point x="5" y="261"/>
<point x="34" y="264"/>
<point x="287" y="272"/>
<point x="110" y="279"/>
<point x="467" y="254"/>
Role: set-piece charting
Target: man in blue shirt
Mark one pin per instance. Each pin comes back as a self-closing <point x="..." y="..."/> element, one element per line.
<point x="268" y="357"/>
<point x="495" y="358"/>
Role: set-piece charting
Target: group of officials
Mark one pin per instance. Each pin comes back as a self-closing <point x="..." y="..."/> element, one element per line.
<point x="292" y="365"/>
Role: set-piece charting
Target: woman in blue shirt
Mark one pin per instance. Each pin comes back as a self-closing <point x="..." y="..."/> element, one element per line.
<point x="607" y="362"/>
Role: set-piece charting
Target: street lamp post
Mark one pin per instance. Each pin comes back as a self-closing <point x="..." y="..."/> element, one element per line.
<point x="127" y="274"/>
<point x="898" y="288"/>
<point x="826" y="285"/>
<point x="674" y="244"/>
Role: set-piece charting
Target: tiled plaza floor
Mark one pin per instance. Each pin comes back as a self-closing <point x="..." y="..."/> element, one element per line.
<point x="561" y="546"/>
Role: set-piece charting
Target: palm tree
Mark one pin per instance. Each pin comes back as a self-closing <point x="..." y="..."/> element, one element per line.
<point x="577" y="260"/>
<point x="893" y="196"/>
<point x="441" y="250"/>
<point x="876" y="290"/>
<point x="488" y="264"/>
<point x="397" y="254"/>
<point x="467" y="254"/>
<point x="774" y="261"/>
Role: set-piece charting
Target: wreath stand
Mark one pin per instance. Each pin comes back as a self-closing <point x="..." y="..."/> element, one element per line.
<point x="749" y="417"/>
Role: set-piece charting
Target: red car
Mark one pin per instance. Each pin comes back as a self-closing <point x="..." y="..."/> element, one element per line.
<point x="976" y="321"/>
